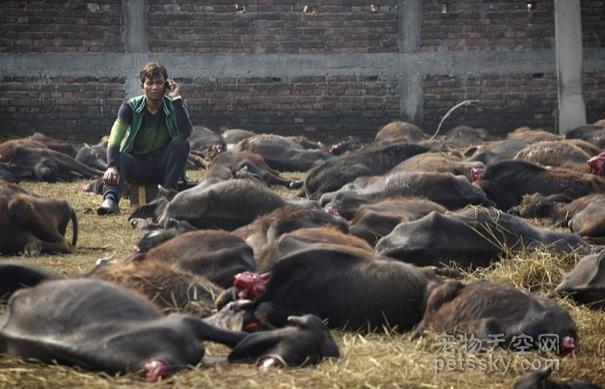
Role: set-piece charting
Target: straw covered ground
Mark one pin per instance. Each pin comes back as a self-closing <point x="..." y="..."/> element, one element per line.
<point x="376" y="360"/>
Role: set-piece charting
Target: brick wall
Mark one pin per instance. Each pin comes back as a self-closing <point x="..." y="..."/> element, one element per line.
<point x="82" y="108"/>
<point x="295" y="105"/>
<point x="272" y="26"/>
<point x="477" y="24"/>
<point x="505" y="102"/>
<point x="594" y="96"/>
<point x="321" y="105"/>
<point x="60" y="26"/>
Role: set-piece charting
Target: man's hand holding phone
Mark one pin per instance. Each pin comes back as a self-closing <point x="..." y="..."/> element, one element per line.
<point x="174" y="88"/>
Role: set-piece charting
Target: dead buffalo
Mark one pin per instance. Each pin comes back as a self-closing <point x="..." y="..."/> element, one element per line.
<point x="585" y="215"/>
<point x="348" y="288"/>
<point x="400" y="132"/>
<point x="103" y="327"/>
<point x="203" y="138"/>
<point x="305" y="340"/>
<point x="34" y="224"/>
<point x="94" y="156"/>
<point x="214" y="255"/>
<point x="586" y="282"/>
<point x="233" y="136"/>
<point x="303" y="239"/>
<point x="16" y="275"/>
<point x="262" y="232"/>
<point x="54" y="144"/>
<point x="338" y="171"/>
<point x="539" y="379"/>
<point x="350" y="144"/>
<point x="49" y="165"/>
<point x="495" y="151"/>
<point x="471" y="237"/>
<point x="244" y="164"/>
<point x="588" y="217"/>
<point x="437" y="163"/>
<point x="462" y="136"/>
<point x="373" y="221"/>
<point x="451" y="191"/>
<point x="502" y="315"/>
<point x="168" y="287"/>
<point x="533" y="135"/>
<point x="283" y="154"/>
<point x="592" y="133"/>
<point x="539" y="206"/>
<point x="558" y="153"/>
<point x="506" y="182"/>
<point x="224" y="204"/>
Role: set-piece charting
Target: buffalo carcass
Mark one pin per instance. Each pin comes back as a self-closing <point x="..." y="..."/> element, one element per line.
<point x="305" y="340"/>
<point x="34" y="224"/>
<point x="94" y="156"/>
<point x="349" y="287"/>
<point x="586" y="282"/>
<point x="592" y="133"/>
<point x="438" y="163"/>
<point x="48" y="165"/>
<point x="400" y="132"/>
<point x="215" y="255"/>
<point x="557" y="154"/>
<point x="301" y="239"/>
<point x="506" y="182"/>
<point x="283" y="154"/>
<point x="462" y="136"/>
<point x="216" y="204"/>
<point x="350" y="144"/>
<point x="103" y="327"/>
<point x="375" y="220"/>
<point x="533" y="135"/>
<point x="585" y="215"/>
<point x="262" y="232"/>
<point x="203" y="139"/>
<point x="451" y="191"/>
<point x="588" y="217"/>
<point x="338" y="171"/>
<point x="244" y="164"/>
<point x="54" y="144"/>
<point x="510" y="317"/>
<point x="233" y="136"/>
<point x="169" y="287"/>
<point x="470" y="237"/>
<point x="495" y="151"/>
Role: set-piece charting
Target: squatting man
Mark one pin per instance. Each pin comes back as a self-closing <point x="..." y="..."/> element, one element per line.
<point x="148" y="141"/>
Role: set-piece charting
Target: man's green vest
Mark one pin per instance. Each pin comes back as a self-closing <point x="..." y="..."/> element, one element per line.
<point x="138" y="105"/>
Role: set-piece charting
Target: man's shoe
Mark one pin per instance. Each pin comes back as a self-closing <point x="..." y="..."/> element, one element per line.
<point x="108" y="207"/>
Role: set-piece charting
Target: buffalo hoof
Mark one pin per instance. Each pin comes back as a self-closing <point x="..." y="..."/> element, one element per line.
<point x="33" y="249"/>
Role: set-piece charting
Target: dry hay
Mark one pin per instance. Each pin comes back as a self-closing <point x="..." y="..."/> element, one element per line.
<point x="374" y="360"/>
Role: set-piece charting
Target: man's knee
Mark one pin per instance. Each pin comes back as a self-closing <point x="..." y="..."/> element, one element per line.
<point x="180" y="145"/>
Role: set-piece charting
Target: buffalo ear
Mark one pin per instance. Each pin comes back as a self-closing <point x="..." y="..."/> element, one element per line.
<point x="298" y="321"/>
<point x="166" y="192"/>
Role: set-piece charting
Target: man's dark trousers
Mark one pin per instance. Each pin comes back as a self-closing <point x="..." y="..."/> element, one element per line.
<point x="164" y="167"/>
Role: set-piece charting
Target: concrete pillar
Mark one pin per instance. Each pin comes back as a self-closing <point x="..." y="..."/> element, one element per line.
<point x="135" y="41"/>
<point x="410" y="77"/>
<point x="568" y="38"/>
